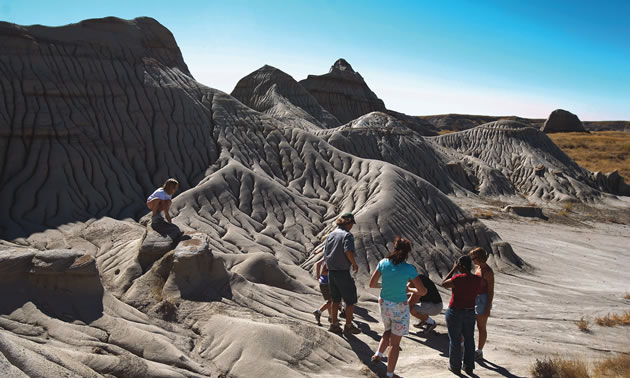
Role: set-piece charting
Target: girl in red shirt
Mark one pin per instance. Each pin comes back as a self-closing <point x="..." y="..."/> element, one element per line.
<point x="460" y="315"/>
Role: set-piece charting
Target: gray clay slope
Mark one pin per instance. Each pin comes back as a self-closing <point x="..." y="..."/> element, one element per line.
<point x="530" y="162"/>
<point x="273" y="92"/>
<point x="91" y="127"/>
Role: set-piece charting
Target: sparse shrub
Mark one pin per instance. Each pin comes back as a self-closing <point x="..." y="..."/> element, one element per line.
<point x="568" y="206"/>
<point x="557" y="367"/>
<point x="156" y="292"/>
<point x="582" y="324"/>
<point x="627" y="296"/>
<point x="616" y="366"/>
<point x="612" y="320"/>
<point x="544" y="368"/>
<point x="484" y="214"/>
<point x="167" y="309"/>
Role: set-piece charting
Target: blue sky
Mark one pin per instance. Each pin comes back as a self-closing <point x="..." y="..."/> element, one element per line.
<point x="523" y="58"/>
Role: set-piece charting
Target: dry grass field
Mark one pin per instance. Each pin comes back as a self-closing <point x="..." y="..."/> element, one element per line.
<point x="598" y="151"/>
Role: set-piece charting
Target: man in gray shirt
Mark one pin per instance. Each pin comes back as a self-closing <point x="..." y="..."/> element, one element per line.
<point x="339" y="257"/>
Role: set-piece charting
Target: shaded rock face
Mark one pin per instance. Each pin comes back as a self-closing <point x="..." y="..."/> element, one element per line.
<point x="560" y="121"/>
<point x="67" y="281"/>
<point x="343" y="92"/>
<point x="95" y="116"/>
<point x="612" y="182"/>
<point x="273" y="92"/>
<point x="526" y="211"/>
<point x="160" y="238"/>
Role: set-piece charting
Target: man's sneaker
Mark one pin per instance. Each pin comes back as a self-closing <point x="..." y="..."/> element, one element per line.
<point x="478" y="355"/>
<point x="335" y="328"/>
<point x="318" y="315"/>
<point x="419" y="324"/>
<point x="430" y="327"/>
<point x="351" y="329"/>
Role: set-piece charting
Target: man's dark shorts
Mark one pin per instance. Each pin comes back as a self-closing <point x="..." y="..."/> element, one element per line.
<point x="342" y="286"/>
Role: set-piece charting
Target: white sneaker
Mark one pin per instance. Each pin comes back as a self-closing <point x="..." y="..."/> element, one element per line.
<point x="430" y="327"/>
<point x="478" y="355"/>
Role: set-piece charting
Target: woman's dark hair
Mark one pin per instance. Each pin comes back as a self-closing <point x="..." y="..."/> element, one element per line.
<point x="465" y="262"/>
<point x="402" y="247"/>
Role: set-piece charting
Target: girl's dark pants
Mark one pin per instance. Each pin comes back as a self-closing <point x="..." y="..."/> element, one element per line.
<point x="461" y="322"/>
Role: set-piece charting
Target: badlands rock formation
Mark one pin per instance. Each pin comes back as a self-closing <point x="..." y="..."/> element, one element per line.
<point x="343" y="92"/>
<point x="524" y="160"/>
<point x="273" y="92"/>
<point x="459" y="122"/>
<point x="94" y="116"/>
<point x="562" y="121"/>
<point x="97" y="114"/>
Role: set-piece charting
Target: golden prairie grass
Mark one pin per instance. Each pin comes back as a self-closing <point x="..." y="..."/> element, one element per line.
<point x="559" y="367"/>
<point x="617" y="366"/>
<point x="603" y="151"/>
<point x="612" y="320"/>
<point x="556" y="366"/>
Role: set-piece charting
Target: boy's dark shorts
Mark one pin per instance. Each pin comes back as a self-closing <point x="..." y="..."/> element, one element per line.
<point x="325" y="291"/>
<point x="342" y="286"/>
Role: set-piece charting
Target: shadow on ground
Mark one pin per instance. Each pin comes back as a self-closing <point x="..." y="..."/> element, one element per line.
<point x="496" y="368"/>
